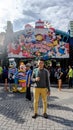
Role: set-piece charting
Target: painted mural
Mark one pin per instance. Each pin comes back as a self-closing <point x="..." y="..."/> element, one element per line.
<point x="39" y="42"/>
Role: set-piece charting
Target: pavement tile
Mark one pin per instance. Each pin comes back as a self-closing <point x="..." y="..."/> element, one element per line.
<point x="16" y="113"/>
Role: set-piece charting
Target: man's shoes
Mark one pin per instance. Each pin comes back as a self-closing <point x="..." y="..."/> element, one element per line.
<point x="28" y="99"/>
<point x="34" y="116"/>
<point x="45" y="115"/>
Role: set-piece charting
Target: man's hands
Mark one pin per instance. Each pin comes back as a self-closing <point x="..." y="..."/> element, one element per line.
<point x="48" y="93"/>
<point x="37" y="79"/>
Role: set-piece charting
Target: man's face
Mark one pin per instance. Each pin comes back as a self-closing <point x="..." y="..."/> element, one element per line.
<point x="41" y="64"/>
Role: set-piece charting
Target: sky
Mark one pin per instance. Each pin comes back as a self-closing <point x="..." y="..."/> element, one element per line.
<point x="21" y="12"/>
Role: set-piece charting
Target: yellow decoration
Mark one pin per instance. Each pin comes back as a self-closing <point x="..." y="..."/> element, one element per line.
<point x="55" y="43"/>
<point x="50" y="44"/>
<point x="22" y="90"/>
<point x="22" y="81"/>
<point x="14" y="89"/>
<point x="39" y="37"/>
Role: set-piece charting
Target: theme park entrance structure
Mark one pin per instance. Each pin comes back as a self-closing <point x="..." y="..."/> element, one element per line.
<point x="42" y="41"/>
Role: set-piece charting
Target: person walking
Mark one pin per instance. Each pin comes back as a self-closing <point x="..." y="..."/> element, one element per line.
<point x="41" y="78"/>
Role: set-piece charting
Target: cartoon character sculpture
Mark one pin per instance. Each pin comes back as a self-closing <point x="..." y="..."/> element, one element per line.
<point x="12" y="71"/>
<point x="22" y="77"/>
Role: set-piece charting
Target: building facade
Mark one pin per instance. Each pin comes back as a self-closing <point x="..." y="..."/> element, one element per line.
<point x="41" y="41"/>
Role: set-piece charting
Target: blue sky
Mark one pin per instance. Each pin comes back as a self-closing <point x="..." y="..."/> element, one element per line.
<point x="20" y="12"/>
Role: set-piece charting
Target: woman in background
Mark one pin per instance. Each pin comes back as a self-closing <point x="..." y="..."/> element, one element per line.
<point x="59" y="77"/>
<point x="5" y="77"/>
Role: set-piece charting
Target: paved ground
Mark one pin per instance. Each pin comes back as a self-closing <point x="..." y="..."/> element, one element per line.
<point x="16" y="113"/>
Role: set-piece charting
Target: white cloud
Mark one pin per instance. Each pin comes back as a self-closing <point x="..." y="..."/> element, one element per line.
<point x="20" y="12"/>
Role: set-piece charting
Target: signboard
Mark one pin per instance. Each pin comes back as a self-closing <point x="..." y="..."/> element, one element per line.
<point x="46" y="45"/>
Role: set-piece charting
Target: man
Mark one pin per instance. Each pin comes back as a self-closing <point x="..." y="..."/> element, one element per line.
<point x="41" y="77"/>
<point x="70" y="75"/>
<point x="28" y="81"/>
<point x="1" y="71"/>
